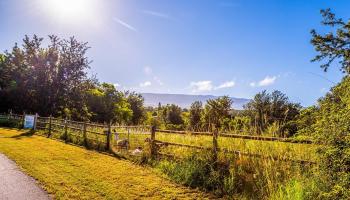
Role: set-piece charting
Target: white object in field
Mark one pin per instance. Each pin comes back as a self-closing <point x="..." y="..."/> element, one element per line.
<point x="136" y="151"/>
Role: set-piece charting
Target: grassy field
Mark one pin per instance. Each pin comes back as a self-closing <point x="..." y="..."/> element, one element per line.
<point x="271" y="148"/>
<point x="70" y="172"/>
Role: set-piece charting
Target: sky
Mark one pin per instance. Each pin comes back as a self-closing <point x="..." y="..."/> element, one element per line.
<point x="219" y="47"/>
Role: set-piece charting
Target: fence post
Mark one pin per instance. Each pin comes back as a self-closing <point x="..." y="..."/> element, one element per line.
<point x="49" y="135"/>
<point x="84" y="134"/>
<point x="153" y="143"/>
<point x="215" y="145"/>
<point x="65" y="130"/>
<point x="108" y="137"/>
<point x="23" y="119"/>
<point x="128" y="138"/>
<point x="35" y="121"/>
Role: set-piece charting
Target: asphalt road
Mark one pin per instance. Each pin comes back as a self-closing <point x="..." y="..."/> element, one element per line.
<point x="16" y="185"/>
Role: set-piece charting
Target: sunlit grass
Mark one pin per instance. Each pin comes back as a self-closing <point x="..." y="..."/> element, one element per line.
<point x="273" y="148"/>
<point x="71" y="172"/>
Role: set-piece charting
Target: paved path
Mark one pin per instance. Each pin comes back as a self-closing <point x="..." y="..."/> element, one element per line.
<point x="15" y="185"/>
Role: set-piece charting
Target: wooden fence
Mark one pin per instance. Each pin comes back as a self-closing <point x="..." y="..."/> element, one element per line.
<point x="100" y="136"/>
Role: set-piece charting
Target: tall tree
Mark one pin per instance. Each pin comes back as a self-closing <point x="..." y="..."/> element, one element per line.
<point x="171" y="114"/>
<point x="333" y="46"/>
<point x="136" y="104"/>
<point x="266" y="109"/>
<point x="47" y="80"/>
<point x="332" y="117"/>
<point x="216" y="110"/>
<point x="106" y="104"/>
<point x="196" y="111"/>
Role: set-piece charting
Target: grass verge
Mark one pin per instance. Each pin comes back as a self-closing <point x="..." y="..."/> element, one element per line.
<point x="70" y="172"/>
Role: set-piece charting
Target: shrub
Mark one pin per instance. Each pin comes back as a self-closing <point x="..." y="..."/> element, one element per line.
<point x="332" y="131"/>
<point x="12" y="123"/>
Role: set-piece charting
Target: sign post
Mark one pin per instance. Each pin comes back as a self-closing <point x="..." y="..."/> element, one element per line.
<point x="29" y="121"/>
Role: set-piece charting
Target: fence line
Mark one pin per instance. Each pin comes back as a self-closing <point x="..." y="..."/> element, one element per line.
<point x="62" y="125"/>
<point x="248" y="137"/>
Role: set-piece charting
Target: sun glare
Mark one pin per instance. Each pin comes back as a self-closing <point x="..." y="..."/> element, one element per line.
<point x="70" y="11"/>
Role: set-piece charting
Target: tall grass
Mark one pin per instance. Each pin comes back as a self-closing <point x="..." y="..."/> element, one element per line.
<point x="233" y="176"/>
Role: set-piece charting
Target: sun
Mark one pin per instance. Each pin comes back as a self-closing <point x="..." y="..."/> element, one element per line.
<point x="70" y="11"/>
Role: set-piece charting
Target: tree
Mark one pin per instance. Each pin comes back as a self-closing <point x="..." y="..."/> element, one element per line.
<point x="266" y="109"/>
<point x="335" y="45"/>
<point x="106" y="104"/>
<point x="196" y="111"/>
<point x="173" y="114"/>
<point x="136" y="104"/>
<point x="332" y="120"/>
<point x="47" y="80"/>
<point x="216" y="110"/>
<point x="332" y="131"/>
<point x="258" y="109"/>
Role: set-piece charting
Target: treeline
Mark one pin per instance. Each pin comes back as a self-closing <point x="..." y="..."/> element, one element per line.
<point x="53" y="80"/>
<point x="267" y="113"/>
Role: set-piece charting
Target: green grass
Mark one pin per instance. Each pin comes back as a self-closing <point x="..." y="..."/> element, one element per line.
<point x="272" y="148"/>
<point x="71" y="172"/>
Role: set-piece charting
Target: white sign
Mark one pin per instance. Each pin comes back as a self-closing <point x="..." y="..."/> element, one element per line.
<point x="29" y="121"/>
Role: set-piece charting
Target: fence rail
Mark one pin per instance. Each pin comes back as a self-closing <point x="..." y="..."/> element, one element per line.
<point x="248" y="137"/>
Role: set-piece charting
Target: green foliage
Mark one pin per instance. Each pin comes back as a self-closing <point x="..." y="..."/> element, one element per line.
<point x="306" y="120"/>
<point x="239" y="125"/>
<point x="331" y="120"/>
<point x="12" y="123"/>
<point x="46" y="80"/>
<point x="171" y="114"/>
<point x="332" y="130"/>
<point x="216" y="111"/>
<point x="273" y="109"/>
<point x="108" y="105"/>
<point x="196" y="112"/>
<point x="197" y="171"/>
<point x="136" y="105"/>
<point x="334" y="45"/>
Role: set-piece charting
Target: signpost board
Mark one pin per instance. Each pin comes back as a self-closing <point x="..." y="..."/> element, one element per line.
<point x="29" y="121"/>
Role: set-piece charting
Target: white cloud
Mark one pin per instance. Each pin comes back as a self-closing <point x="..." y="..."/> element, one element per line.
<point x="265" y="82"/>
<point x="227" y="84"/>
<point x="148" y="70"/>
<point x="123" y="23"/>
<point x="156" y="79"/>
<point x="201" y="86"/>
<point x="156" y="14"/>
<point x="145" y="84"/>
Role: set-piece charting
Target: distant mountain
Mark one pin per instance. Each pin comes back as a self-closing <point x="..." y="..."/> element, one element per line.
<point x="185" y="100"/>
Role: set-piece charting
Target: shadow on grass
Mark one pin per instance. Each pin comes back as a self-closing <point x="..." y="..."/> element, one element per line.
<point x="25" y="134"/>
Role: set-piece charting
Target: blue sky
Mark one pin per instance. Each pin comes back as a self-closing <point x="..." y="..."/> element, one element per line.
<point x="219" y="47"/>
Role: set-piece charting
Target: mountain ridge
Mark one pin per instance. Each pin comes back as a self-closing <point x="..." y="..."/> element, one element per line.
<point x="185" y="100"/>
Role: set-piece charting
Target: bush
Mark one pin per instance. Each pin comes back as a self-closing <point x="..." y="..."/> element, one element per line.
<point x="12" y="123"/>
<point x="197" y="171"/>
<point x="332" y="131"/>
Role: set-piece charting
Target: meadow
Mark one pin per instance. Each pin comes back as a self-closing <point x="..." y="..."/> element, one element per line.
<point x="244" y="169"/>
